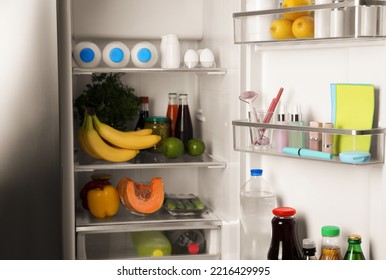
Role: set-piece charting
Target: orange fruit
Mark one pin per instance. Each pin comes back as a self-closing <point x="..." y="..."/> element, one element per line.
<point x="303" y="27"/>
<point x="281" y="29"/>
<point x="295" y="3"/>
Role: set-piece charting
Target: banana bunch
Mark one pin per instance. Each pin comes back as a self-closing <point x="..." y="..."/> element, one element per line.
<point x="102" y="141"/>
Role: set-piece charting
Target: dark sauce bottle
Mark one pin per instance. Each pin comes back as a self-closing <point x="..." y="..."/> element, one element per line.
<point x="284" y="243"/>
<point x="184" y="126"/>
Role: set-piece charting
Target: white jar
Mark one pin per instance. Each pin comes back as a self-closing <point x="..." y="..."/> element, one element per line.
<point x="144" y="55"/>
<point x="87" y="54"/>
<point x="172" y="52"/>
<point x="116" y="54"/>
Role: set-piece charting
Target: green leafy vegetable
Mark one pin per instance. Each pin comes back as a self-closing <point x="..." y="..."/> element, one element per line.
<point x="114" y="103"/>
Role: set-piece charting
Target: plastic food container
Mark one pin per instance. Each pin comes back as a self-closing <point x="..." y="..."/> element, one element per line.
<point x="184" y="204"/>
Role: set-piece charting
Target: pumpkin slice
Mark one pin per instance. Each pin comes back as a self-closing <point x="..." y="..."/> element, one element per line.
<point x="141" y="198"/>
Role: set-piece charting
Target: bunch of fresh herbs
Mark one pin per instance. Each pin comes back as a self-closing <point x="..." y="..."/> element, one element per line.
<point x="113" y="102"/>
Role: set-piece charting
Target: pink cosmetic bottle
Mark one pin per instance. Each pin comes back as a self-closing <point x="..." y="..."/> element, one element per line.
<point x="281" y="137"/>
<point x="315" y="138"/>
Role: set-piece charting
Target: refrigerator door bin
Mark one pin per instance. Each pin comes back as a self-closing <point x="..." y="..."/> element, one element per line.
<point x="112" y="238"/>
<point x="242" y="140"/>
<point x="344" y="20"/>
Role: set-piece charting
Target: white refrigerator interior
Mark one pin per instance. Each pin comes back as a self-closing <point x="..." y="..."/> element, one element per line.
<point x="323" y="193"/>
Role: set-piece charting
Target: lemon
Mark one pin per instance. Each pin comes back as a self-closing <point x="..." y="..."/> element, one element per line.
<point x="303" y="27"/>
<point x="281" y="29"/>
<point x="295" y="3"/>
<point x="195" y="147"/>
<point x="173" y="147"/>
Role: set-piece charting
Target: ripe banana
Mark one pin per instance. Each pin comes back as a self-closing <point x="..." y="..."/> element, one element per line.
<point x="100" y="148"/>
<point x="141" y="132"/>
<point x="123" y="139"/>
<point x="82" y="144"/>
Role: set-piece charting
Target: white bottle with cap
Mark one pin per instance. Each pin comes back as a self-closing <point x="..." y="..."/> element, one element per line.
<point x="144" y="55"/>
<point x="87" y="54"/>
<point x="116" y="54"/>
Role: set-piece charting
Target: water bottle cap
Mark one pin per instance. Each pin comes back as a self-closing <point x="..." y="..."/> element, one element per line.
<point x="284" y="211"/>
<point x="87" y="55"/>
<point x="193" y="248"/>
<point x="256" y="172"/>
<point x="144" y="55"/>
<point x="330" y="231"/>
<point x="116" y="55"/>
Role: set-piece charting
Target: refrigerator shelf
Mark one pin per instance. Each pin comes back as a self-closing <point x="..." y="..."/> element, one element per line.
<point x="197" y="70"/>
<point x="252" y="27"/>
<point x="125" y="221"/>
<point x="242" y="140"/>
<point x="149" y="160"/>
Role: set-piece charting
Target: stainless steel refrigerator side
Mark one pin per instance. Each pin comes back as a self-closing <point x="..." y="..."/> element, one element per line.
<point x="29" y="137"/>
<point x="66" y="130"/>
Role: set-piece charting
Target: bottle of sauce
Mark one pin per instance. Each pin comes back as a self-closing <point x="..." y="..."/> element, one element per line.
<point x="186" y="242"/>
<point x="309" y="250"/>
<point x="284" y="242"/>
<point x="354" y="249"/>
<point x="331" y="248"/>
<point x="172" y="112"/>
<point x="184" y="126"/>
<point x="143" y="113"/>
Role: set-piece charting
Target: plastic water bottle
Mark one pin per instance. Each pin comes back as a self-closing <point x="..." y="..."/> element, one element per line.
<point x="257" y="200"/>
<point x="87" y="54"/>
<point x="144" y="55"/>
<point x="116" y="54"/>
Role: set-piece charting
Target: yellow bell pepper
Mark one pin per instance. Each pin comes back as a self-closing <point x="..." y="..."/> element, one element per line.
<point x="103" y="202"/>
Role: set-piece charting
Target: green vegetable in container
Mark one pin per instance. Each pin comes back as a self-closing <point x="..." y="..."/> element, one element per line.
<point x="114" y="103"/>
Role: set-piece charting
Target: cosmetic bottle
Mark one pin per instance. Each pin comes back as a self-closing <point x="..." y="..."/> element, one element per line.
<point x="327" y="139"/>
<point x="297" y="139"/>
<point x="315" y="138"/>
<point x="281" y="135"/>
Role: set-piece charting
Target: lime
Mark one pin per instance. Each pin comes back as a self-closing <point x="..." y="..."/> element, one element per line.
<point x="173" y="147"/>
<point x="195" y="147"/>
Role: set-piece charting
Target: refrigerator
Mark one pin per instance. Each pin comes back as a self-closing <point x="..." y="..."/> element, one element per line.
<point x="30" y="180"/>
<point x="323" y="192"/>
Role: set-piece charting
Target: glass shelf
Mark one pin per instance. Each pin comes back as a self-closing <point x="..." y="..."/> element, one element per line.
<point x="197" y="70"/>
<point x="125" y="221"/>
<point x="242" y="139"/>
<point x="252" y="27"/>
<point x="149" y="160"/>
